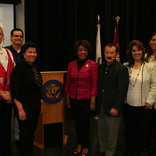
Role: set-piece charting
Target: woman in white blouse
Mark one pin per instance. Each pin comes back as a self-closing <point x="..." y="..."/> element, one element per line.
<point x="140" y="99"/>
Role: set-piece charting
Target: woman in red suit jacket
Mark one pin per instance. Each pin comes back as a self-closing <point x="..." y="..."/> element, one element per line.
<point x="81" y="89"/>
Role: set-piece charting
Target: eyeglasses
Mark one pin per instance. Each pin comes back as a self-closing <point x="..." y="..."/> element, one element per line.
<point x="18" y="36"/>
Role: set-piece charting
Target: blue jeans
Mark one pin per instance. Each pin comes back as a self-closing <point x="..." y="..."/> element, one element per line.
<point x="108" y="130"/>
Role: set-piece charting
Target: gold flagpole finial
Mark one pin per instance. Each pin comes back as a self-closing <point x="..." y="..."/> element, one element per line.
<point x="98" y="19"/>
<point x="117" y="19"/>
<point x="98" y="25"/>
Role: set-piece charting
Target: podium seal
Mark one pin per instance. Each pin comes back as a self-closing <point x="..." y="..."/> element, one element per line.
<point x="52" y="91"/>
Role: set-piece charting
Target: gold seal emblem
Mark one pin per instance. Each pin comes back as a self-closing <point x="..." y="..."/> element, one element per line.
<point x="52" y="91"/>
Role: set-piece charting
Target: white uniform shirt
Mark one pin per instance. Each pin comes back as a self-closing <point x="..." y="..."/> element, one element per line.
<point x="3" y="58"/>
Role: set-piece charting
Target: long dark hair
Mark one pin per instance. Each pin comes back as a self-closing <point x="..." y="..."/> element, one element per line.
<point x="149" y="49"/>
<point x="140" y="45"/>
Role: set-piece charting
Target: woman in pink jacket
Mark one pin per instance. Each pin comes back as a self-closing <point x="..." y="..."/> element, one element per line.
<point x="81" y="89"/>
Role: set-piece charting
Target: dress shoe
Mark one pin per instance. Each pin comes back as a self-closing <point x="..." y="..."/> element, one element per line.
<point x="85" y="152"/>
<point x="78" y="150"/>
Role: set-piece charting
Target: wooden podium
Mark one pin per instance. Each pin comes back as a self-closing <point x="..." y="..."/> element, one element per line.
<point x="52" y="115"/>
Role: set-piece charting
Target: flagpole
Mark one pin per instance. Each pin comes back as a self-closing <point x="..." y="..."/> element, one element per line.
<point x="116" y="37"/>
<point x="98" y="43"/>
<point x="98" y="19"/>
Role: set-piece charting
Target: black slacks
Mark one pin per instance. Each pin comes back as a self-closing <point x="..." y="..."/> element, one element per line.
<point x="5" y="128"/>
<point x="26" y="136"/>
<point x="138" y="122"/>
<point x="81" y="110"/>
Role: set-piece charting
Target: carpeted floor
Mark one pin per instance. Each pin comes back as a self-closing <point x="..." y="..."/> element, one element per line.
<point x="71" y="142"/>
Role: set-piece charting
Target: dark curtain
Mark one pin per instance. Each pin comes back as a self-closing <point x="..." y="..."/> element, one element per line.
<point x="56" y="24"/>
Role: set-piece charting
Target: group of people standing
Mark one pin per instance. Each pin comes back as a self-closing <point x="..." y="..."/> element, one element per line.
<point x="20" y="88"/>
<point x="112" y="88"/>
<point x="115" y="90"/>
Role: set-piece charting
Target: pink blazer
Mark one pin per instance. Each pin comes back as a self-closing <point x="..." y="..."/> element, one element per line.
<point x="83" y="83"/>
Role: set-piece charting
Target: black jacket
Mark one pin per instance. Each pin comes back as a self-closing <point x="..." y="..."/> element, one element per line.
<point x="112" y="87"/>
<point x="24" y="87"/>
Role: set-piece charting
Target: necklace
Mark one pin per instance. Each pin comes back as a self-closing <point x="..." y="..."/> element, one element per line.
<point x="135" y="80"/>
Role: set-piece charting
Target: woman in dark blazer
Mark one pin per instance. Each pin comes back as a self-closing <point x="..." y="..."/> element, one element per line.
<point x="26" y="83"/>
<point x="81" y="89"/>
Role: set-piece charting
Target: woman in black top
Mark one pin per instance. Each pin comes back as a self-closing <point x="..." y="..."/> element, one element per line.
<point x="26" y="83"/>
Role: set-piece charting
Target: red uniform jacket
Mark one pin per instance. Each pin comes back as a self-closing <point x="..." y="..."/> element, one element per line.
<point x="83" y="83"/>
<point x="5" y="76"/>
